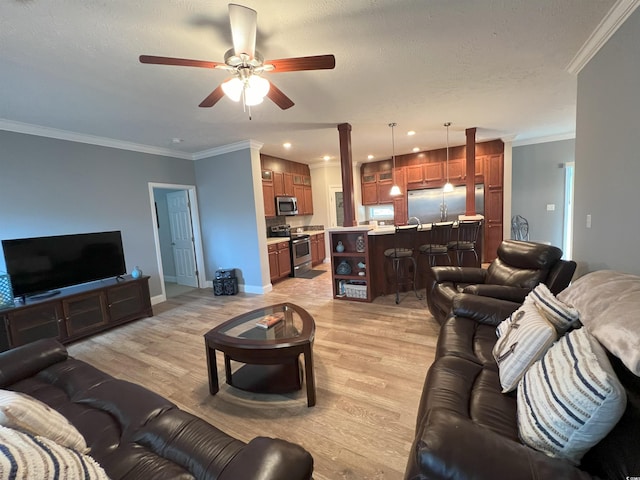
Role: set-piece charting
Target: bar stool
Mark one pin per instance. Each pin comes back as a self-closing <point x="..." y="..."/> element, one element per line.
<point x="404" y="264"/>
<point x="439" y="239"/>
<point x="467" y="238"/>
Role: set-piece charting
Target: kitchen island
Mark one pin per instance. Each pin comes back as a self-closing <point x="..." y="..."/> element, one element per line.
<point x="365" y="284"/>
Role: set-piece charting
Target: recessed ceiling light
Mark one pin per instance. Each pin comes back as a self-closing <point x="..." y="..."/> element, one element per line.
<point x="416" y="149"/>
<point x="177" y="140"/>
<point x="411" y="133"/>
<point x="370" y="157"/>
<point x="286" y="145"/>
<point x="326" y="158"/>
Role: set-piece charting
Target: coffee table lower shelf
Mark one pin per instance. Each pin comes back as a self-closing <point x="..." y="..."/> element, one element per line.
<point x="282" y="378"/>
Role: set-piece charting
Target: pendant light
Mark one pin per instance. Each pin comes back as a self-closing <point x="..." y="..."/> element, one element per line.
<point x="395" y="189"/>
<point x="448" y="187"/>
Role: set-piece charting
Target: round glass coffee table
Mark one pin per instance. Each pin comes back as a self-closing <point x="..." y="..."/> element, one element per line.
<point x="271" y="353"/>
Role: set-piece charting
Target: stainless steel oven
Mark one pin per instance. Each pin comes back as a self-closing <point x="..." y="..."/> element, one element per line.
<point x="300" y="254"/>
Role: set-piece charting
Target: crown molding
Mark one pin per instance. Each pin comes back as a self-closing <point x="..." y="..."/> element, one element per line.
<point x="232" y="147"/>
<point x="547" y="139"/>
<point x="615" y="17"/>
<point x="39" y="131"/>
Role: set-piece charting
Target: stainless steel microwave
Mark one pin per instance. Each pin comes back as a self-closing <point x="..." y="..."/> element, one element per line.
<point x="286" y="206"/>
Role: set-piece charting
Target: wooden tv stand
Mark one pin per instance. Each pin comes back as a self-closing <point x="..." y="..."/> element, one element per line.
<point x="76" y="312"/>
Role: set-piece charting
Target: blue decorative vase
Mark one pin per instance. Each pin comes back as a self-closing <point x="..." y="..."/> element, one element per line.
<point x="136" y="272"/>
<point x="343" y="268"/>
<point x="340" y="247"/>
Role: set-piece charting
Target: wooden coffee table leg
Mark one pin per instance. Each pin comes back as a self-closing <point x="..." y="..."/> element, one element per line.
<point x="213" y="370"/>
<point x="227" y="369"/>
<point x="309" y="376"/>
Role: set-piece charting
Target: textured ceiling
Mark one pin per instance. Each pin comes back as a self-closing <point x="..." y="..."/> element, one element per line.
<point x="498" y="65"/>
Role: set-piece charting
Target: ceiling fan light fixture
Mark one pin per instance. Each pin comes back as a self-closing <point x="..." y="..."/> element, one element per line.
<point x="232" y="88"/>
<point x="255" y="89"/>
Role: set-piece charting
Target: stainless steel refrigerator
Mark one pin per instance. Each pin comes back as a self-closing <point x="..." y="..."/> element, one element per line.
<point x="427" y="204"/>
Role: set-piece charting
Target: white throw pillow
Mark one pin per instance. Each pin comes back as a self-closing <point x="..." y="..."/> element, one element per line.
<point x="29" y="457"/>
<point x="30" y="415"/>
<point x="562" y="316"/>
<point x="526" y="336"/>
<point x="570" y="399"/>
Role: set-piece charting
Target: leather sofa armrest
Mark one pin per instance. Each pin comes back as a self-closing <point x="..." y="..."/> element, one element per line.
<point x="27" y="360"/>
<point x="270" y="459"/>
<point x="450" y="446"/>
<point x="503" y="292"/>
<point x="485" y="310"/>
<point x="458" y="274"/>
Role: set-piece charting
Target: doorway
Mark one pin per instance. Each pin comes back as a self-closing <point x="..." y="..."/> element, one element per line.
<point x="336" y="206"/>
<point x="177" y="237"/>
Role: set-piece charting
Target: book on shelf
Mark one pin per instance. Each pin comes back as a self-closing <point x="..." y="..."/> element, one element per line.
<point x="270" y="320"/>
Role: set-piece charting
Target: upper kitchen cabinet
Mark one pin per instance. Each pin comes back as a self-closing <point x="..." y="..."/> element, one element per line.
<point x="376" y="180"/>
<point x="425" y="175"/>
<point x="286" y="178"/>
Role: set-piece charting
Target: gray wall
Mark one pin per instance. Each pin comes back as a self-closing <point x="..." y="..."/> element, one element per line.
<point x="538" y="179"/>
<point x="607" y="176"/>
<point x="55" y="187"/>
<point x="232" y="217"/>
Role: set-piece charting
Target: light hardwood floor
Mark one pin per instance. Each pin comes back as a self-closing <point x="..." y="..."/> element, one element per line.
<point x="370" y="363"/>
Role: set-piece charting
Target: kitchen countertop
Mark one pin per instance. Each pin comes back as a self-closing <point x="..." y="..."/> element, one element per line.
<point x="273" y="240"/>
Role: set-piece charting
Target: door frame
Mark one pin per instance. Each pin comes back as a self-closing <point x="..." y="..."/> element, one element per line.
<point x="197" y="235"/>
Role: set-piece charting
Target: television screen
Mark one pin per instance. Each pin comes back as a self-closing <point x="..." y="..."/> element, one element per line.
<point x="41" y="264"/>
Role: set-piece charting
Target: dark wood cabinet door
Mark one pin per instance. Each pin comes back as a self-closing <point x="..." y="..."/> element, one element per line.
<point x="127" y="301"/>
<point x="456" y="170"/>
<point x="29" y="324"/>
<point x="433" y="172"/>
<point x="415" y="173"/>
<point x="85" y="313"/>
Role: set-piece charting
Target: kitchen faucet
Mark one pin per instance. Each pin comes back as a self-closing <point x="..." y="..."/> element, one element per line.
<point x="414" y="221"/>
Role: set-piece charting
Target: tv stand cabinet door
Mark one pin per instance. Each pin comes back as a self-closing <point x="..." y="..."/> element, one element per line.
<point x="85" y="313"/>
<point x="129" y="301"/>
<point x="28" y="324"/>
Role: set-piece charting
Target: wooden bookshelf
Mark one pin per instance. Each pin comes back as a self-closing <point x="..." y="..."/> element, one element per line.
<point x="355" y="285"/>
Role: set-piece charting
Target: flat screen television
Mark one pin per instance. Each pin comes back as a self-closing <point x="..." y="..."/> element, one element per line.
<point x="43" y="264"/>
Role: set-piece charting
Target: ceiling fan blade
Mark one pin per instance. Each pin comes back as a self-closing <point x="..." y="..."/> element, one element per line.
<point x="244" y="24"/>
<point x="317" y="62"/>
<point x="183" y="62"/>
<point x="279" y="98"/>
<point x="213" y="98"/>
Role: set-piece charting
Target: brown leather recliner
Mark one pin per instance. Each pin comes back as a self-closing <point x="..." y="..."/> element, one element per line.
<point x="519" y="267"/>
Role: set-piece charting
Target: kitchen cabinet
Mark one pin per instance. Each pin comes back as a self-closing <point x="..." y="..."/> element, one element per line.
<point x="279" y="260"/>
<point x="425" y="174"/>
<point x="283" y="184"/>
<point x="76" y="312"/>
<point x="269" y="198"/>
<point x="318" y="251"/>
<point x="400" y="206"/>
<point x="457" y="170"/>
<point x="307" y="206"/>
<point x="376" y="187"/>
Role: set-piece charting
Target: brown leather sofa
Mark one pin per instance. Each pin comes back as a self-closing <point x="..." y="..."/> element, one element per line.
<point x="466" y="428"/>
<point x="518" y="268"/>
<point x="135" y="434"/>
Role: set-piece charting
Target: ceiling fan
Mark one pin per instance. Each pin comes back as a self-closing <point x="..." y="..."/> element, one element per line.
<point x="247" y="65"/>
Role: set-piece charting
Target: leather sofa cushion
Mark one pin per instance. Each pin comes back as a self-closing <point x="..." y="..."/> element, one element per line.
<point x="471" y="391"/>
<point x="466" y="338"/>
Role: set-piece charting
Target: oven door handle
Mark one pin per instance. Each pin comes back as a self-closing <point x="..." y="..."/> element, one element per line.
<point x="299" y="240"/>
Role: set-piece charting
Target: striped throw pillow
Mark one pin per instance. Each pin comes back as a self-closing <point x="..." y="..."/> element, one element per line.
<point x="525" y="338"/>
<point x="570" y="399"/>
<point x="27" y="457"/>
<point x="562" y="316"/>
<point x="29" y="415"/>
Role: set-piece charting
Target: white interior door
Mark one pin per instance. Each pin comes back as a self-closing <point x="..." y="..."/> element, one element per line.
<point x="182" y="238"/>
